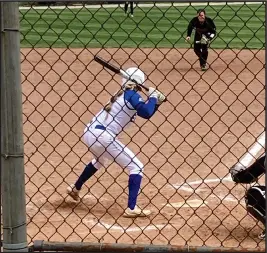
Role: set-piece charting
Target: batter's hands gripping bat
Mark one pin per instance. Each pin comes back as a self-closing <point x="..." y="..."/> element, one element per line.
<point x="119" y="71"/>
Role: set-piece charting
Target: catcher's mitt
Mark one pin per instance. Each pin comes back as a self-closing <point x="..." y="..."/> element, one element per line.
<point x="204" y="40"/>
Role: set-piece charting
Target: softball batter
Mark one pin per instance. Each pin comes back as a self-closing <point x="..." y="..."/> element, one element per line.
<point x="100" y="136"/>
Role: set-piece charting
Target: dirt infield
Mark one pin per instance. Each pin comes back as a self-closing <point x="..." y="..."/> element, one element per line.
<point x="210" y="120"/>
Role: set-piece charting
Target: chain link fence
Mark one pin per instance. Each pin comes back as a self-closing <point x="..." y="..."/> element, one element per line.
<point x="212" y="120"/>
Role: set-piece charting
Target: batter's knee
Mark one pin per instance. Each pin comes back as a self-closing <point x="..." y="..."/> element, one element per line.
<point x="97" y="164"/>
<point x="136" y="167"/>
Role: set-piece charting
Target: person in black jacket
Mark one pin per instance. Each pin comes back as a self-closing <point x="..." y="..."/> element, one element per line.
<point x="205" y="30"/>
<point x="255" y="195"/>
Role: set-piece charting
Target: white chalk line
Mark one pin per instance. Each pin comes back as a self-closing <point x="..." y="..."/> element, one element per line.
<point x="107" y="226"/>
<point x="187" y="203"/>
<point x="135" y="229"/>
<point x="106" y="6"/>
<point x="225" y="198"/>
<point x="203" y="181"/>
<point x="187" y="186"/>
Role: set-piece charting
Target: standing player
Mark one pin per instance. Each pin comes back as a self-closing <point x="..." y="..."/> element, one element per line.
<point x="255" y="195"/>
<point x="205" y="30"/>
<point x="100" y="136"/>
<point x="131" y="8"/>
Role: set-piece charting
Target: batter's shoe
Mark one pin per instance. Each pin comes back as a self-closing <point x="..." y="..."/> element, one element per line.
<point x="136" y="212"/>
<point x="73" y="192"/>
<point x="262" y="235"/>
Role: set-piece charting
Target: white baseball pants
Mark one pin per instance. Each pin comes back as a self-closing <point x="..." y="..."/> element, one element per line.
<point x="105" y="147"/>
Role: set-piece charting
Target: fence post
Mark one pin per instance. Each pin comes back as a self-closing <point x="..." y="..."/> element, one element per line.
<point x="12" y="161"/>
<point x="265" y="164"/>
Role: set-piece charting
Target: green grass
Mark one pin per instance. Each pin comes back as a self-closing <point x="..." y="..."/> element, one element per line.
<point x="240" y="26"/>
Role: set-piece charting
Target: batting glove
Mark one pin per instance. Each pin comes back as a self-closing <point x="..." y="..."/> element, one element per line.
<point x="161" y="98"/>
<point x="152" y="92"/>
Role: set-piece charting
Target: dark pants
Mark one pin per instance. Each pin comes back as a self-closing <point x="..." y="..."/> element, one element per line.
<point x="255" y="201"/>
<point x="126" y="7"/>
<point x="201" y="51"/>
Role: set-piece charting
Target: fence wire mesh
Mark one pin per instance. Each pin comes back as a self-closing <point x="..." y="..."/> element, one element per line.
<point x="211" y="121"/>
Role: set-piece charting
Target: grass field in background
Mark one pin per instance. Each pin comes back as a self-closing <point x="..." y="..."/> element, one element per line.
<point x="238" y="26"/>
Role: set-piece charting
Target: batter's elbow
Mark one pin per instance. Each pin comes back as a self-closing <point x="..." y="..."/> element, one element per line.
<point x="146" y="115"/>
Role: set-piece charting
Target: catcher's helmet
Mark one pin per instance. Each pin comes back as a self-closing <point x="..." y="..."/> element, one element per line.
<point x="135" y="73"/>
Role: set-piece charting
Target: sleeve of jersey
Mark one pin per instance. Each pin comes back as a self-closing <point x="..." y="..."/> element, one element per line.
<point x="212" y="29"/>
<point x="144" y="110"/>
<point x="190" y="28"/>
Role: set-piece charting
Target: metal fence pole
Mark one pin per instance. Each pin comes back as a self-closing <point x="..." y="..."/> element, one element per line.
<point x="12" y="161"/>
<point x="265" y="164"/>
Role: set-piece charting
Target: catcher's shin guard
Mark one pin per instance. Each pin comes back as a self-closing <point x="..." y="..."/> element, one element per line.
<point x="255" y="202"/>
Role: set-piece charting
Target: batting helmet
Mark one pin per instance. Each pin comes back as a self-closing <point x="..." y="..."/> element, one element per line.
<point x="135" y="73"/>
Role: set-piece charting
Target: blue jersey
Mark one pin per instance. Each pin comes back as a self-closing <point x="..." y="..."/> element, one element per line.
<point x="124" y="110"/>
